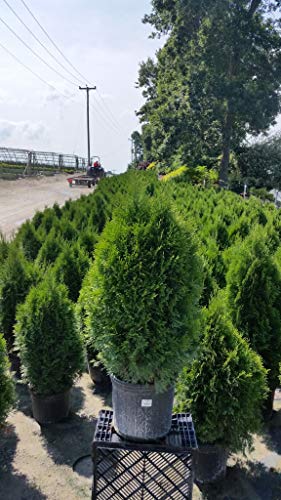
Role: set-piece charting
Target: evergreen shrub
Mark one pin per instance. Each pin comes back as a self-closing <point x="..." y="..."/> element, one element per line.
<point x="30" y="242"/>
<point x="47" y="339"/>
<point x="142" y="294"/>
<point x="15" y="281"/>
<point x="254" y="298"/>
<point x="7" y="392"/>
<point x="225" y="386"/>
<point x="70" y="268"/>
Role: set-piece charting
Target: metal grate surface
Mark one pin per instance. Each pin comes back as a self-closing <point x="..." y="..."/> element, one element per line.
<point x="143" y="471"/>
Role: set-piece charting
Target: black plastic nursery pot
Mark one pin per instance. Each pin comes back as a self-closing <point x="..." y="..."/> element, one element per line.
<point x="268" y="406"/>
<point x="15" y="364"/>
<point x="50" y="409"/>
<point x="141" y="413"/>
<point x="98" y="375"/>
<point x="209" y="463"/>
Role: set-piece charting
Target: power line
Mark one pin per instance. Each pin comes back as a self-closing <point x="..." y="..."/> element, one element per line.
<point x="108" y="110"/>
<point x="39" y="41"/>
<point x="35" y="53"/>
<point x="110" y="114"/>
<point x="33" y="72"/>
<point x="96" y="110"/>
<point x="108" y="119"/>
<point x="105" y="119"/>
<point x="53" y="43"/>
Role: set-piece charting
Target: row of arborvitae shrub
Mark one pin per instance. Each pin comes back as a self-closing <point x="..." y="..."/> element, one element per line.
<point x="130" y="310"/>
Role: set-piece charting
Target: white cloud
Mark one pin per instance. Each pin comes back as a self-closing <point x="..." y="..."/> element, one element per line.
<point x="3" y="96"/>
<point x="60" y="94"/>
<point x="24" y="130"/>
<point x="105" y="41"/>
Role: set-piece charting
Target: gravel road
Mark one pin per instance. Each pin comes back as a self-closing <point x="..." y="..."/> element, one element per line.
<point x="20" y="199"/>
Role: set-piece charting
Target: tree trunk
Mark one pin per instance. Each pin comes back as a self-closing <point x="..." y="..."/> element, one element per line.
<point x="227" y="133"/>
<point x="254" y="7"/>
<point x="228" y="126"/>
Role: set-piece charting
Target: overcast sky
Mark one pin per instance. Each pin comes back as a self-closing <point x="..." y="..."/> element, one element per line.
<point x="106" y="41"/>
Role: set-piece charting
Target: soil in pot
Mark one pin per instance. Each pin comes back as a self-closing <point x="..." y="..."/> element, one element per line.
<point x="141" y="413"/>
<point x="209" y="463"/>
<point x="50" y="409"/>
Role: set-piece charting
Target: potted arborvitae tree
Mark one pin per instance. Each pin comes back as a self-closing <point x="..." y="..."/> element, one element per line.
<point x="142" y="312"/>
<point x="96" y="368"/>
<point x="254" y="298"/>
<point x="16" y="277"/>
<point x="50" y="349"/>
<point x="70" y="268"/>
<point x="223" y="389"/>
<point x="7" y="392"/>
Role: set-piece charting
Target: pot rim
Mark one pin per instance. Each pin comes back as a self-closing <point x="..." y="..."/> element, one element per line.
<point x="209" y="448"/>
<point x="132" y="386"/>
<point x="41" y="396"/>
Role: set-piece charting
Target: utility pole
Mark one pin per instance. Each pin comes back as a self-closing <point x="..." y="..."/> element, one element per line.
<point x="88" y="119"/>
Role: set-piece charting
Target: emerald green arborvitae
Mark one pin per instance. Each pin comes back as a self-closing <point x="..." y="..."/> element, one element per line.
<point x="29" y="240"/>
<point x="225" y="386"/>
<point x="15" y="281"/>
<point x="7" y="392"/>
<point x="70" y="268"/>
<point x="47" y="338"/>
<point x="254" y="297"/>
<point x="142" y="294"/>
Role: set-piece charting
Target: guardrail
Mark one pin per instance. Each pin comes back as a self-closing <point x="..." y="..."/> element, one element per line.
<point x="35" y="159"/>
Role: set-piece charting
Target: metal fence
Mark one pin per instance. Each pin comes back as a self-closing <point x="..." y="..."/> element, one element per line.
<point x="35" y="159"/>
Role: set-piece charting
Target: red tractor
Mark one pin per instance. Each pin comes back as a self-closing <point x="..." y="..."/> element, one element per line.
<point x="95" y="172"/>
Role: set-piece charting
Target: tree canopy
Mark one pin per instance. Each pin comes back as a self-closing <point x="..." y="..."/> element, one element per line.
<point x="215" y="81"/>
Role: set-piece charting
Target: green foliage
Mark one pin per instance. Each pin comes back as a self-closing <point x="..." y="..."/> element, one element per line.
<point x="175" y="173"/>
<point x="81" y="313"/>
<point x="136" y="149"/>
<point x="259" y="164"/>
<point x="30" y="242"/>
<point x="225" y="386"/>
<point x="88" y="240"/>
<point x="7" y="392"/>
<point x="15" y="281"/>
<point x="47" y="339"/>
<point x="142" y="294"/>
<point x="48" y="221"/>
<point x="254" y="296"/>
<point x="70" y="269"/>
<point x="50" y="249"/>
<point x="262" y="193"/>
<point x="4" y="248"/>
<point x="194" y="107"/>
<point x="37" y="219"/>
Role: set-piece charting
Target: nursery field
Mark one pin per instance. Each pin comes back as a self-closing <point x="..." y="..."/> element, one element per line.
<point x="19" y="199"/>
<point x="159" y="283"/>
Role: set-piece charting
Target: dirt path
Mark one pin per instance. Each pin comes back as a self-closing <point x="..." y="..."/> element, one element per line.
<point x="20" y="199"/>
<point x="37" y="462"/>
